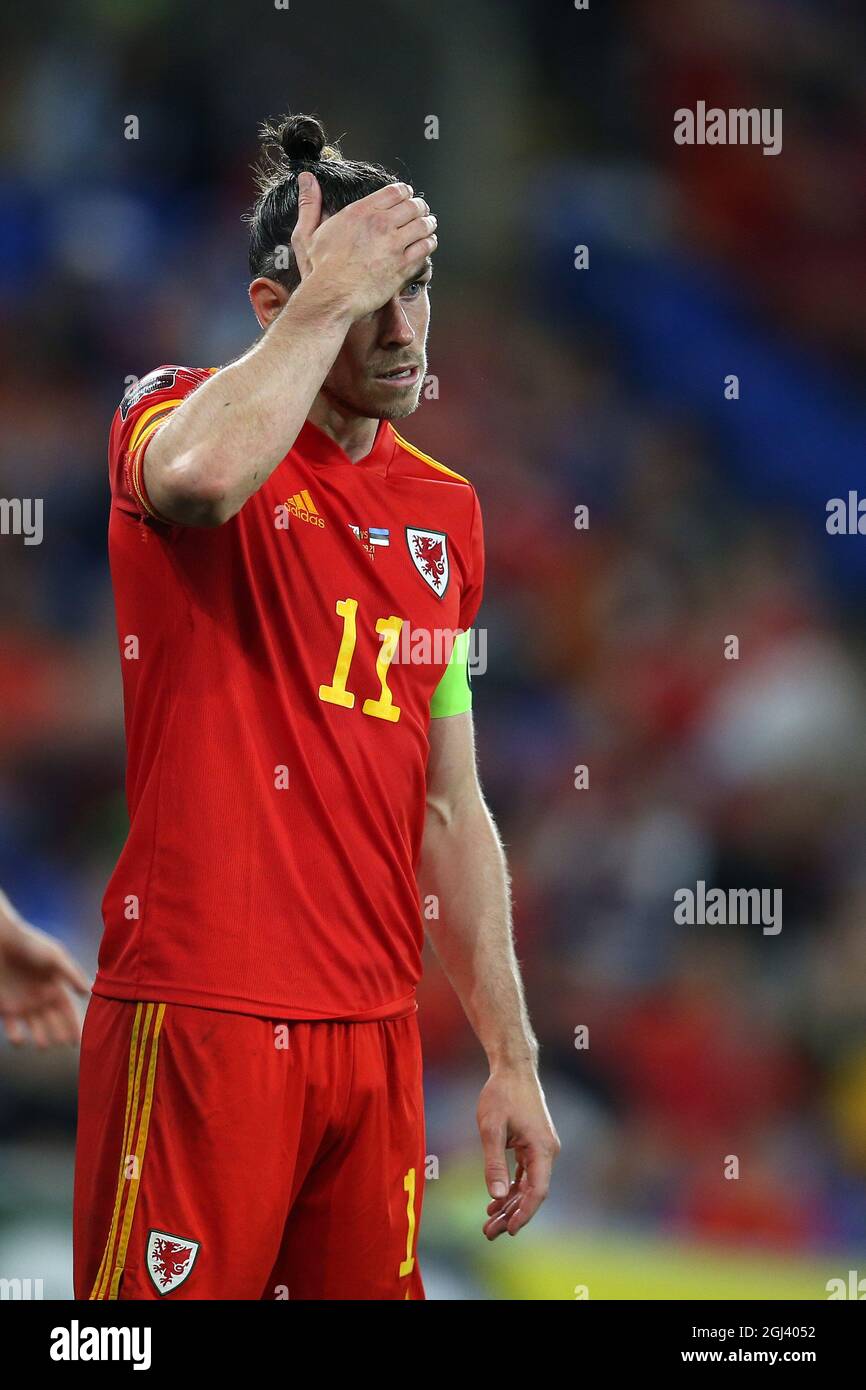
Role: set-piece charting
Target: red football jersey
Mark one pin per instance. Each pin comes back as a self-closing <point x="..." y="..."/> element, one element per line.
<point x="276" y="731"/>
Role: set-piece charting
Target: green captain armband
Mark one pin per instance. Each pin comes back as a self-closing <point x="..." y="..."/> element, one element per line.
<point x="453" y="694"/>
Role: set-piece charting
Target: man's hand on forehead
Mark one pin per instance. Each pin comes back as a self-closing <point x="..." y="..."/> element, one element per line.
<point x="368" y="251"/>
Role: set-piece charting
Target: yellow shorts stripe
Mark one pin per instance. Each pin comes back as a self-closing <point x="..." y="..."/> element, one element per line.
<point x="129" y="1119"/>
<point x="141" y="1146"/>
<point x="142" y="1042"/>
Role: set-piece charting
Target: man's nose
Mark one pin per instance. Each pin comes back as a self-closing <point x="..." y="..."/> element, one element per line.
<point x="394" y="327"/>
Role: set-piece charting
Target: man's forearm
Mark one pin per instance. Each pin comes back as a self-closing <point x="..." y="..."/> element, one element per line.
<point x="224" y="442"/>
<point x="463" y="865"/>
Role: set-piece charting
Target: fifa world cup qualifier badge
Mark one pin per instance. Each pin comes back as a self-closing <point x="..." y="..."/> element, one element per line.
<point x="170" y="1260"/>
<point x="156" y="381"/>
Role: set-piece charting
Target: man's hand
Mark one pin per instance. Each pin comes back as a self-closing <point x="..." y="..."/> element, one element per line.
<point x="513" y="1114"/>
<point x="367" y="252"/>
<point x="37" y="978"/>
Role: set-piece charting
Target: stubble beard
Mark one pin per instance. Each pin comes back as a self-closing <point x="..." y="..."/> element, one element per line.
<point x="405" y="404"/>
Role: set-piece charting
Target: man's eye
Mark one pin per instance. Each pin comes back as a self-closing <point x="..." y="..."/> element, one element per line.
<point x="418" y="286"/>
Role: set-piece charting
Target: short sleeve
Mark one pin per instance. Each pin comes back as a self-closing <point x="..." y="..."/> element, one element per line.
<point x="145" y="407"/>
<point x="473" y="588"/>
<point x="453" y="694"/>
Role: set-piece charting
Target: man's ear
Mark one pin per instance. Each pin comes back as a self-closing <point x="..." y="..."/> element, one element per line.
<point x="267" y="297"/>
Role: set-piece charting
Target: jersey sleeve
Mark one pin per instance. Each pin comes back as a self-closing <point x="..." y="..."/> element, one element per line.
<point x="473" y="588"/>
<point x="144" y="409"/>
<point x="453" y="694"/>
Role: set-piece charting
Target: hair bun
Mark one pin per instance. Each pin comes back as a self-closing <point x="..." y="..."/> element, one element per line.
<point x="302" y="138"/>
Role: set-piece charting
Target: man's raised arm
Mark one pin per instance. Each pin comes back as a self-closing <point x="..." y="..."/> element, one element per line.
<point x="224" y="442"/>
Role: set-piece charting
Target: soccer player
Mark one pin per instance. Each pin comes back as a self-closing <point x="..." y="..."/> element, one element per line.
<point x="38" y="981"/>
<point x="251" y="1117"/>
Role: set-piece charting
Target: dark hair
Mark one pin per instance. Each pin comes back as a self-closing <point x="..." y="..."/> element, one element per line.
<point x="289" y="146"/>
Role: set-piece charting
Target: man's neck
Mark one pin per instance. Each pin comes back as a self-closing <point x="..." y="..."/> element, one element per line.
<point x="355" y="434"/>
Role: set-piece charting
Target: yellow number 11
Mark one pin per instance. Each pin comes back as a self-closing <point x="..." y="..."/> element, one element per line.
<point x="336" y="693"/>
<point x="407" y="1265"/>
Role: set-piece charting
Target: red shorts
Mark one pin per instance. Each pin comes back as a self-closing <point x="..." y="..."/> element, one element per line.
<point x="222" y="1156"/>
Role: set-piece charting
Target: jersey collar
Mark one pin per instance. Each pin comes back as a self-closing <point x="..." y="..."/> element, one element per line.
<point x="319" y="448"/>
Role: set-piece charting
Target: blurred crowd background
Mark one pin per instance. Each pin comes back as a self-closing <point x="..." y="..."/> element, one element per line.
<point x="552" y="388"/>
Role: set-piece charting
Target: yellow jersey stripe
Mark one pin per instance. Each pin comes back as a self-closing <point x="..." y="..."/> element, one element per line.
<point x="136" y="480"/>
<point x="140" y="1149"/>
<point x="160" y="408"/>
<point x="146" y="434"/>
<point x="309" y="503"/>
<point x="132" y="1083"/>
<point x="425" y="458"/>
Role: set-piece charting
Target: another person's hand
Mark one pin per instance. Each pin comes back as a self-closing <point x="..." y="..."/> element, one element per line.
<point x="37" y="981"/>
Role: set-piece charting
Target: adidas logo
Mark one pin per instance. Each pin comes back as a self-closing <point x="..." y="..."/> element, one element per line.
<point x="304" y="508"/>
